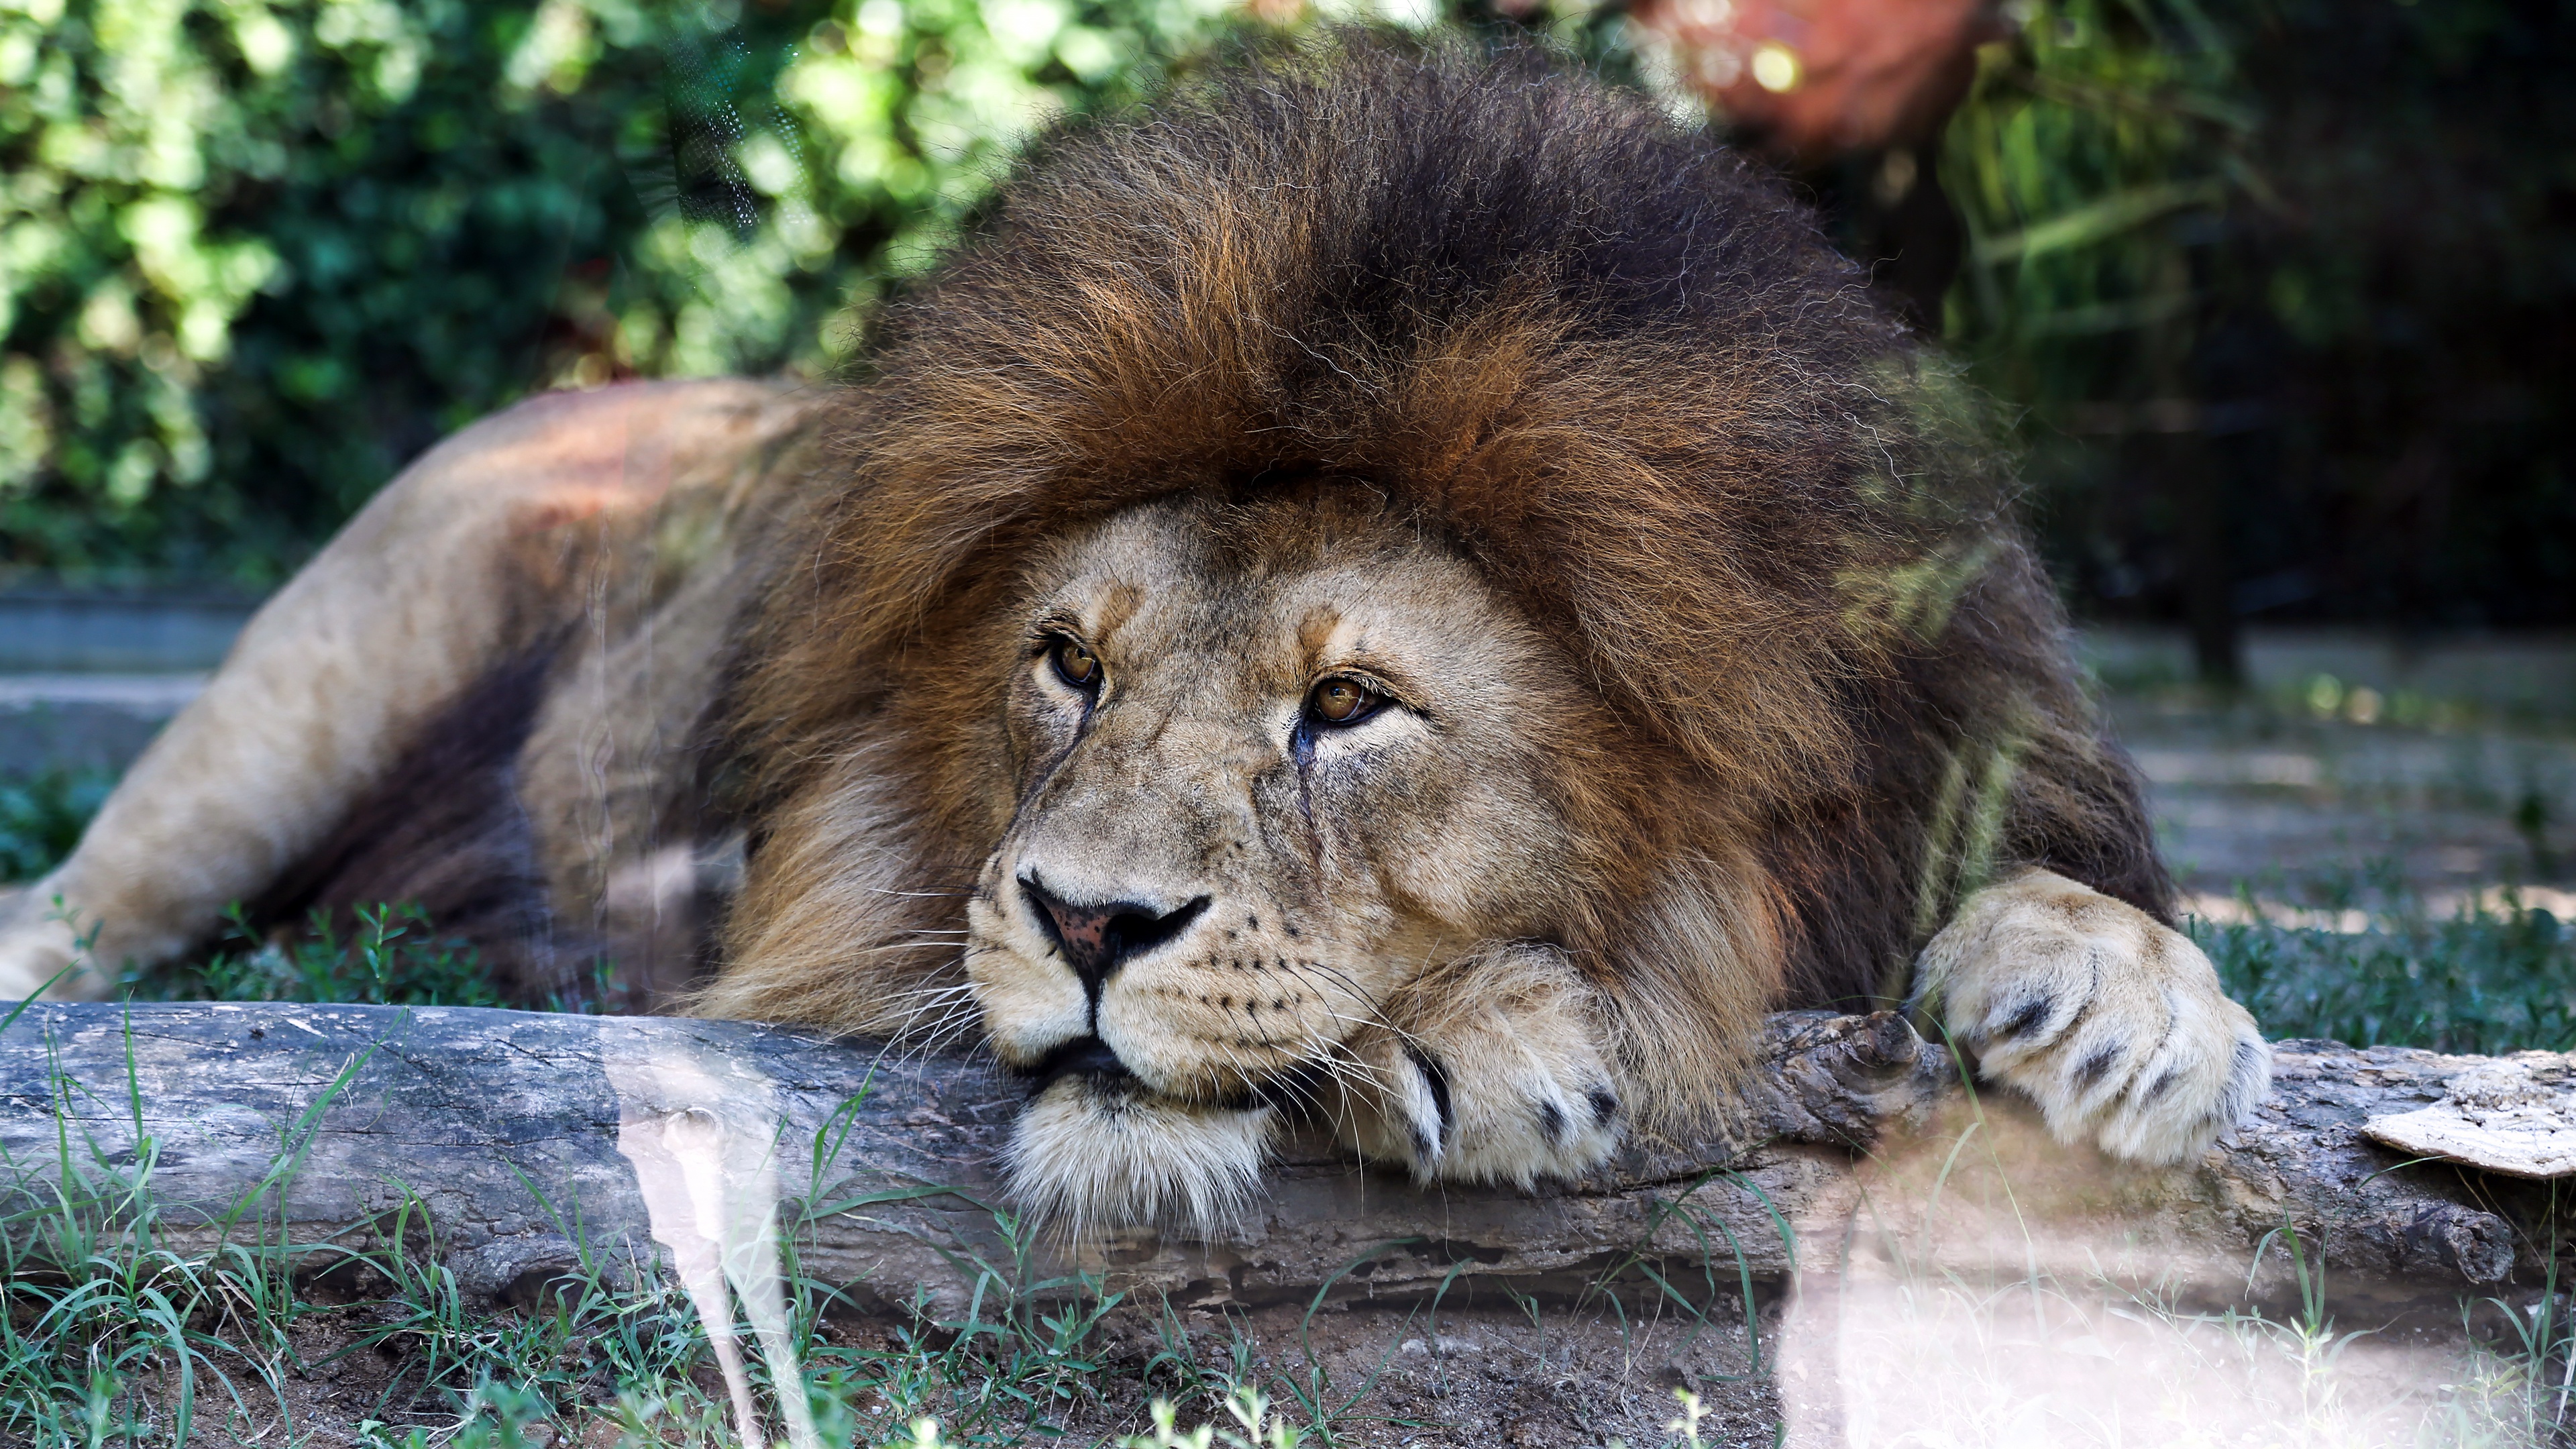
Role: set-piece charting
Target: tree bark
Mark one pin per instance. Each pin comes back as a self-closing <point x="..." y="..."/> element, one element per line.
<point x="526" y="1140"/>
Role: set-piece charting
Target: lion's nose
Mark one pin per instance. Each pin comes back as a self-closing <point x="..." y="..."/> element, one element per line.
<point x="1098" y="939"/>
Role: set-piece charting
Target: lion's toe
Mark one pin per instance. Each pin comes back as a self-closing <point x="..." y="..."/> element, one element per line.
<point x="2183" y="1099"/>
<point x="1487" y="1120"/>
<point x="41" y="957"/>
<point x="1527" y="1117"/>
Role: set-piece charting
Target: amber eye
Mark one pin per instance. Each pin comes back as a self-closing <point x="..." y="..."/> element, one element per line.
<point x="1078" y="666"/>
<point x="1343" y="701"/>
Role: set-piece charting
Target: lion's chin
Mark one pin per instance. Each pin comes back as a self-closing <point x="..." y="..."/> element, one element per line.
<point x="1090" y="1153"/>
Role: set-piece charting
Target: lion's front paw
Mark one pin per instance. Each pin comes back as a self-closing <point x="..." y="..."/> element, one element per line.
<point x="40" y="955"/>
<point x="2113" y="1022"/>
<point x="1488" y="1070"/>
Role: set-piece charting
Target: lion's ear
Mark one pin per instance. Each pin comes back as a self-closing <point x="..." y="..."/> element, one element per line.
<point x="1698" y="960"/>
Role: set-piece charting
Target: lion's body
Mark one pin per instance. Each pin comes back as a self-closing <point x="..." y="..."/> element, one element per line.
<point x="1704" y="669"/>
<point x="489" y="697"/>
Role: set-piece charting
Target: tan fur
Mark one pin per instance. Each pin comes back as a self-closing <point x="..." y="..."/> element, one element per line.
<point x="1472" y="812"/>
<point x="1719" y="676"/>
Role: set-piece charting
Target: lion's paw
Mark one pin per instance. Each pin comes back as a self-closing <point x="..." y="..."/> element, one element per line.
<point x="1489" y="1070"/>
<point x="2112" y="1022"/>
<point x="40" y="956"/>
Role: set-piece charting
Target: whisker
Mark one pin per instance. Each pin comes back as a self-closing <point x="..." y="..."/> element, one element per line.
<point x="1377" y="1014"/>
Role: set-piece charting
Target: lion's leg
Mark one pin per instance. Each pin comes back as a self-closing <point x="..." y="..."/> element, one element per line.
<point x="2113" y="1022"/>
<point x="1491" y="1069"/>
<point x="472" y="556"/>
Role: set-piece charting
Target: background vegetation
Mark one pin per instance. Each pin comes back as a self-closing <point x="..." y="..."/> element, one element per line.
<point x="2288" y="287"/>
<point x="254" y="256"/>
<point x="2282" y="290"/>
<point x="2283" y="286"/>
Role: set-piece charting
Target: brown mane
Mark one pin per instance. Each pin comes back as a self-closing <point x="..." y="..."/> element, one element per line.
<point x="1612" y="362"/>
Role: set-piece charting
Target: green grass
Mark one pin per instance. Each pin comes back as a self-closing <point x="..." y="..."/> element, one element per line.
<point x="386" y="954"/>
<point x="121" y="1325"/>
<point x="114" y="1338"/>
<point x="117" y="1330"/>
<point x="389" y="955"/>
<point x="2480" y="980"/>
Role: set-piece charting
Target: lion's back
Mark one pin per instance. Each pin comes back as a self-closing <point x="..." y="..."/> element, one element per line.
<point x="561" y="811"/>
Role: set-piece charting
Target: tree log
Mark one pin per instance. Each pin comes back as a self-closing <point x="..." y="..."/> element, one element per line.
<point x="525" y="1140"/>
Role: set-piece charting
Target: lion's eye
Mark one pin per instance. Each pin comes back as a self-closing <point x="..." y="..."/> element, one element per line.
<point x="1078" y="666"/>
<point x="1343" y="701"/>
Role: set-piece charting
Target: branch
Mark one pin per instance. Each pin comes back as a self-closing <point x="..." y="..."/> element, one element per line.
<point x="530" y="1139"/>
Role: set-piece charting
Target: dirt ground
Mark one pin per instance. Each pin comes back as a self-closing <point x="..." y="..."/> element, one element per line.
<point x="1901" y="1361"/>
<point x="1498" y="1375"/>
<point x="1474" y="1374"/>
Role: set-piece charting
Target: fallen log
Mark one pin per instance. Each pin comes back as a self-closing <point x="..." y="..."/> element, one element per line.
<point x="527" y="1141"/>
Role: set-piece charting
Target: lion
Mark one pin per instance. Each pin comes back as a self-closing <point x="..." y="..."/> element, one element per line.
<point x="1395" y="590"/>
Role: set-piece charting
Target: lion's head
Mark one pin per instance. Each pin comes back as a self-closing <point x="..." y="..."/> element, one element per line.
<point x="1403" y="590"/>
<point x="1271" y="759"/>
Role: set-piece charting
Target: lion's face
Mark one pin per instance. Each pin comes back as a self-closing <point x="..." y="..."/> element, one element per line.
<point x="1270" y="764"/>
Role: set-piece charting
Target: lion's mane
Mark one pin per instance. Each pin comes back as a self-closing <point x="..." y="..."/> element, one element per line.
<point x="1614" y="363"/>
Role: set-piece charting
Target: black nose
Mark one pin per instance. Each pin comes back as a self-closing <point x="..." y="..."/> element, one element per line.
<point x="1097" y="940"/>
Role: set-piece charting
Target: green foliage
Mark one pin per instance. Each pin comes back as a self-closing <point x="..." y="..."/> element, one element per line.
<point x="2307" y="257"/>
<point x="42" y="817"/>
<point x="390" y="958"/>
<point x="2481" y="980"/>
<point x="256" y="253"/>
<point x="113" y="1330"/>
<point x="2085" y="140"/>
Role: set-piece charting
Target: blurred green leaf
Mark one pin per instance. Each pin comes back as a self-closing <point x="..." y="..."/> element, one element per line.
<point x="253" y="256"/>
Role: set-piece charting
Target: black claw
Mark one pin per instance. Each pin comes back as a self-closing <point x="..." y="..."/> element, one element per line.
<point x="1551" y="1122"/>
<point x="1436" y="1077"/>
<point x="2028" y="1018"/>
<point x="2093" y="1067"/>
<point x="1604" y="1105"/>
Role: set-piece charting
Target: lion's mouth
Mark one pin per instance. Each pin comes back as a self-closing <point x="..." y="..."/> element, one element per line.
<point x="1084" y="1056"/>
<point x="1091" y="1060"/>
